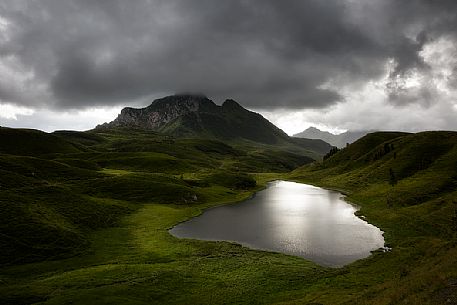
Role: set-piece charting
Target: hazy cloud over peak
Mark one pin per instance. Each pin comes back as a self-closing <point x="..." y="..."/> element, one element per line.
<point x="266" y="54"/>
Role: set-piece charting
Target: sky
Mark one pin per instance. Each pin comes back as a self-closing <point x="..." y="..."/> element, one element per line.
<point x="334" y="64"/>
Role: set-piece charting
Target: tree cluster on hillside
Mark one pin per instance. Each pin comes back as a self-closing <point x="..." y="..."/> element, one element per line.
<point x="392" y="177"/>
<point x="454" y="218"/>
<point x="387" y="148"/>
<point x="332" y="151"/>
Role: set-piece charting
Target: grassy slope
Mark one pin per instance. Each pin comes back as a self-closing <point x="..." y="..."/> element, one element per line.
<point x="52" y="195"/>
<point x="417" y="214"/>
<point x="136" y="261"/>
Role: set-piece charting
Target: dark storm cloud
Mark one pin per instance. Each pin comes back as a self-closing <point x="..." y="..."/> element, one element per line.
<point x="264" y="53"/>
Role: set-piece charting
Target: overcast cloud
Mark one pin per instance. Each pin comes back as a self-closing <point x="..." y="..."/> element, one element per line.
<point x="354" y="64"/>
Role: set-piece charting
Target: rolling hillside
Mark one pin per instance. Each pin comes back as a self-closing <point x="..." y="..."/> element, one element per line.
<point x="57" y="188"/>
<point x="87" y="222"/>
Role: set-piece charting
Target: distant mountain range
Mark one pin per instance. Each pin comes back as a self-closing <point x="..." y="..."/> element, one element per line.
<point x="196" y="116"/>
<point x="340" y="140"/>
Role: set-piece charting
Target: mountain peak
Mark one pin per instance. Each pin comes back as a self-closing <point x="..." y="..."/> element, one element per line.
<point x="229" y="103"/>
<point x="183" y="100"/>
<point x="340" y="140"/>
<point x="191" y="115"/>
<point x="312" y="128"/>
<point x="314" y="133"/>
<point x="176" y="98"/>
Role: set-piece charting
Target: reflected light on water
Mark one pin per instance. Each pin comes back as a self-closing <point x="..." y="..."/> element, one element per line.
<point x="292" y="218"/>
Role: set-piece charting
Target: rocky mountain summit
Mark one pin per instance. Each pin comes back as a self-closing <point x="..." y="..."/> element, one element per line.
<point x="196" y="115"/>
<point x="162" y="111"/>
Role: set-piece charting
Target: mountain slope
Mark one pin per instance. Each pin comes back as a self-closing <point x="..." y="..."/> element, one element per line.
<point x="197" y="116"/>
<point x="339" y="140"/>
<point x="373" y="159"/>
<point x="316" y="145"/>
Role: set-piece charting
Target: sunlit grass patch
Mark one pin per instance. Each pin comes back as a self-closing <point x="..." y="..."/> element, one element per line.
<point x="115" y="172"/>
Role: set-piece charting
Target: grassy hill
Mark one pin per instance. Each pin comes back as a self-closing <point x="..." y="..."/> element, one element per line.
<point x="407" y="185"/>
<point x="32" y="142"/>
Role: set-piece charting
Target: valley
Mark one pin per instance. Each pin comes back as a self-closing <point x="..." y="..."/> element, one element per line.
<point x="85" y="218"/>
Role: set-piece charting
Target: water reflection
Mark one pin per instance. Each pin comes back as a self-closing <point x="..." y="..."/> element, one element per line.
<point x="291" y="218"/>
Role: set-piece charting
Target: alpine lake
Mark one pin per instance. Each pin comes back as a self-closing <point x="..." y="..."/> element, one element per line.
<point x="291" y="218"/>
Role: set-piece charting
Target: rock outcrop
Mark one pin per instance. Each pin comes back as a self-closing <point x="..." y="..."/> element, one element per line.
<point x="161" y="112"/>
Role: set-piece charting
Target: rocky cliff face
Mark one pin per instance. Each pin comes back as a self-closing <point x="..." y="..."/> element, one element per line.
<point x="161" y="112"/>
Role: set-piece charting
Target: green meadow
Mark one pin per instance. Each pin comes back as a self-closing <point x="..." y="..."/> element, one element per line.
<point x="85" y="219"/>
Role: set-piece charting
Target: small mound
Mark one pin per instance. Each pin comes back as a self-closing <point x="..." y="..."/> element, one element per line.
<point x="232" y="180"/>
<point x="151" y="188"/>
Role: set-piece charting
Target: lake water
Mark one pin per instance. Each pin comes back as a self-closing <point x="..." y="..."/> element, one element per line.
<point x="291" y="218"/>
